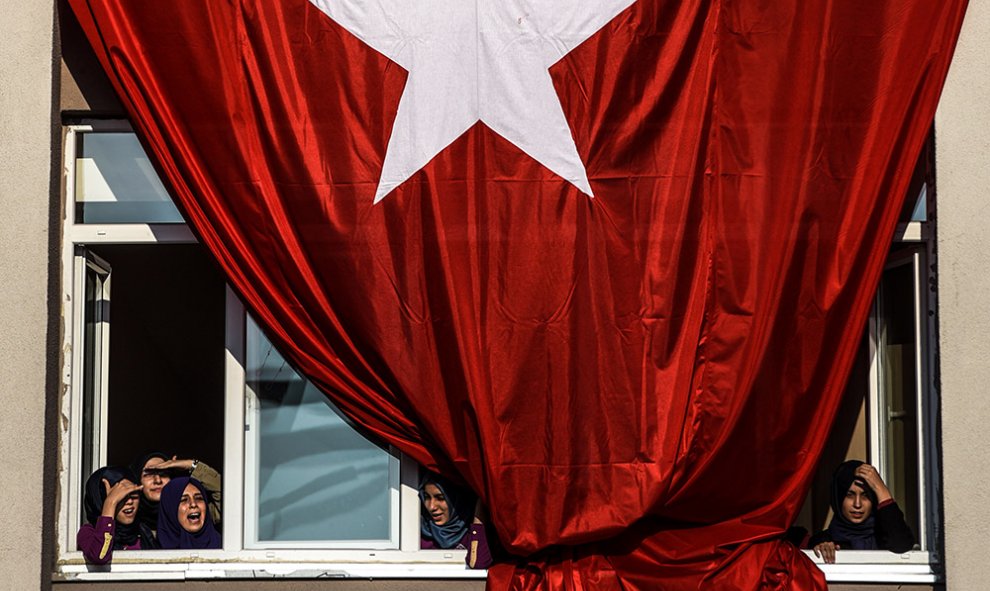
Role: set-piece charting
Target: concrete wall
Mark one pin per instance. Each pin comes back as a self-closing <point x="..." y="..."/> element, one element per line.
<point x="962" y="129"/>
<point x="26" y="128"/>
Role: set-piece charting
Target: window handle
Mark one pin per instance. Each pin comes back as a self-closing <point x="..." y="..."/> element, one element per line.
<point x="897" y="415"/>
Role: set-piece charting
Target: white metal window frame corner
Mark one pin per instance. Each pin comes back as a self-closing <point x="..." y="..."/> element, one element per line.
<point x="912" y="232"/>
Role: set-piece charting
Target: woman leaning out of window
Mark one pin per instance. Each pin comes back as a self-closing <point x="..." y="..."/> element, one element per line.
<point x="864" y="515"/>
<point x="450" y="522"/>
<point x="111" y="505"/>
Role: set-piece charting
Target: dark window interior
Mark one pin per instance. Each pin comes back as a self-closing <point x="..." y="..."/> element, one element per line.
<point x="166" y="372"/>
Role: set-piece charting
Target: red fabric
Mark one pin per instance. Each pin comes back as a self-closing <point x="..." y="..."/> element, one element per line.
<point x="638" y="384"/>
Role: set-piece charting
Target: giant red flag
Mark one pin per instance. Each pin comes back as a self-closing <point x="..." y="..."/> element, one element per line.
<point x="606" y="261"/>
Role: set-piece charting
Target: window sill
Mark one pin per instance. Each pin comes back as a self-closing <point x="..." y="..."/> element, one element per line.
<point x="878" y="566"/>
<point x="206" y="569"/>
<point x="162" y="565"/>
<point x="834" y="573"/>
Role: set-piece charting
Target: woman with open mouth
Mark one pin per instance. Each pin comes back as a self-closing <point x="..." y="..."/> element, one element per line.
<point x="448" y="521"/>
<point x="184" y="520"/>
<point x="155" y="469"/>
<point x="111" y="505"/>
<point x="864" y="515"/>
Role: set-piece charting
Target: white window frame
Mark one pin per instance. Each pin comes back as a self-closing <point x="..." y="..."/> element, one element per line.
<point x="76" y="362"/>
<point x="879" y="566"/>
<point x="876" y="404"/>
<point x="927" y="402"/>
<point x="406" y="560"/>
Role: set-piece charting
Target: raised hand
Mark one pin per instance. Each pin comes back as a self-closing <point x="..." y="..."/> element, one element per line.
<point x="117" y="495"/>
<point x="176" y="464"/>
<point x="872" y="478"/>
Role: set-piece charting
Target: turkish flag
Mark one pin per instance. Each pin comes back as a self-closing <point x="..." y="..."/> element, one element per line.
<point x="624" y="319"/>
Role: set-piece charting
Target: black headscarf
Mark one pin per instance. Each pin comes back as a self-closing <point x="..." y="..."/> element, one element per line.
<point x="96" y="495"/>
<point x="461" y="505"/>
<point x="848" y="535"/>
<point x="148" y="510"/>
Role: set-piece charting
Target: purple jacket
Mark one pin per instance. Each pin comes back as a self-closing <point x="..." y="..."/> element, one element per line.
<point x="96" y="541"/>
<point x="475" y="541"/>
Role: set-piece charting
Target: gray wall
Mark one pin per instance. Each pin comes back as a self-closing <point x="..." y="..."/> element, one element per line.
<point x="25" y="190"/>
<point x="962" y="129"/>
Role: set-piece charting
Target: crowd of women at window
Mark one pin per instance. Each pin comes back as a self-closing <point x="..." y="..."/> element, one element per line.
<point x="170" y="503"/>
<point x="158" y="502"/>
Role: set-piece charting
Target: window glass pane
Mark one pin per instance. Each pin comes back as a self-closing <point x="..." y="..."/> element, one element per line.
<point x="115" y="183"/>
<point x="915" y="207"/>
<point x="316" y="478"/>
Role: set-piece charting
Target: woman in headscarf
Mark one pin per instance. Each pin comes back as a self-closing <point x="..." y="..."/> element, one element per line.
<point x="155" y="469"/>
<point x="184" y="522"/>
<point x="451" y="519"/>
<point x="111" y="504"/>
<point x="864" y="515"/>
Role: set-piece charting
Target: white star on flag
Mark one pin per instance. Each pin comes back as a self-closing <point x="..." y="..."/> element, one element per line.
<point x="485" y="61"/>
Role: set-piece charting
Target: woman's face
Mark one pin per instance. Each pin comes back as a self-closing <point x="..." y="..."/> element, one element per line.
<point x="436" y="504"/>
<point x="153" y="480"/>
<point x="192" y="507"/>
<point x="857" y="506"/>
<point x="127" y="511"/>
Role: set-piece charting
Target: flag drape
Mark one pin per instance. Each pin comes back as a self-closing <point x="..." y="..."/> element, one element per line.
<point x="637" y="384"/>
